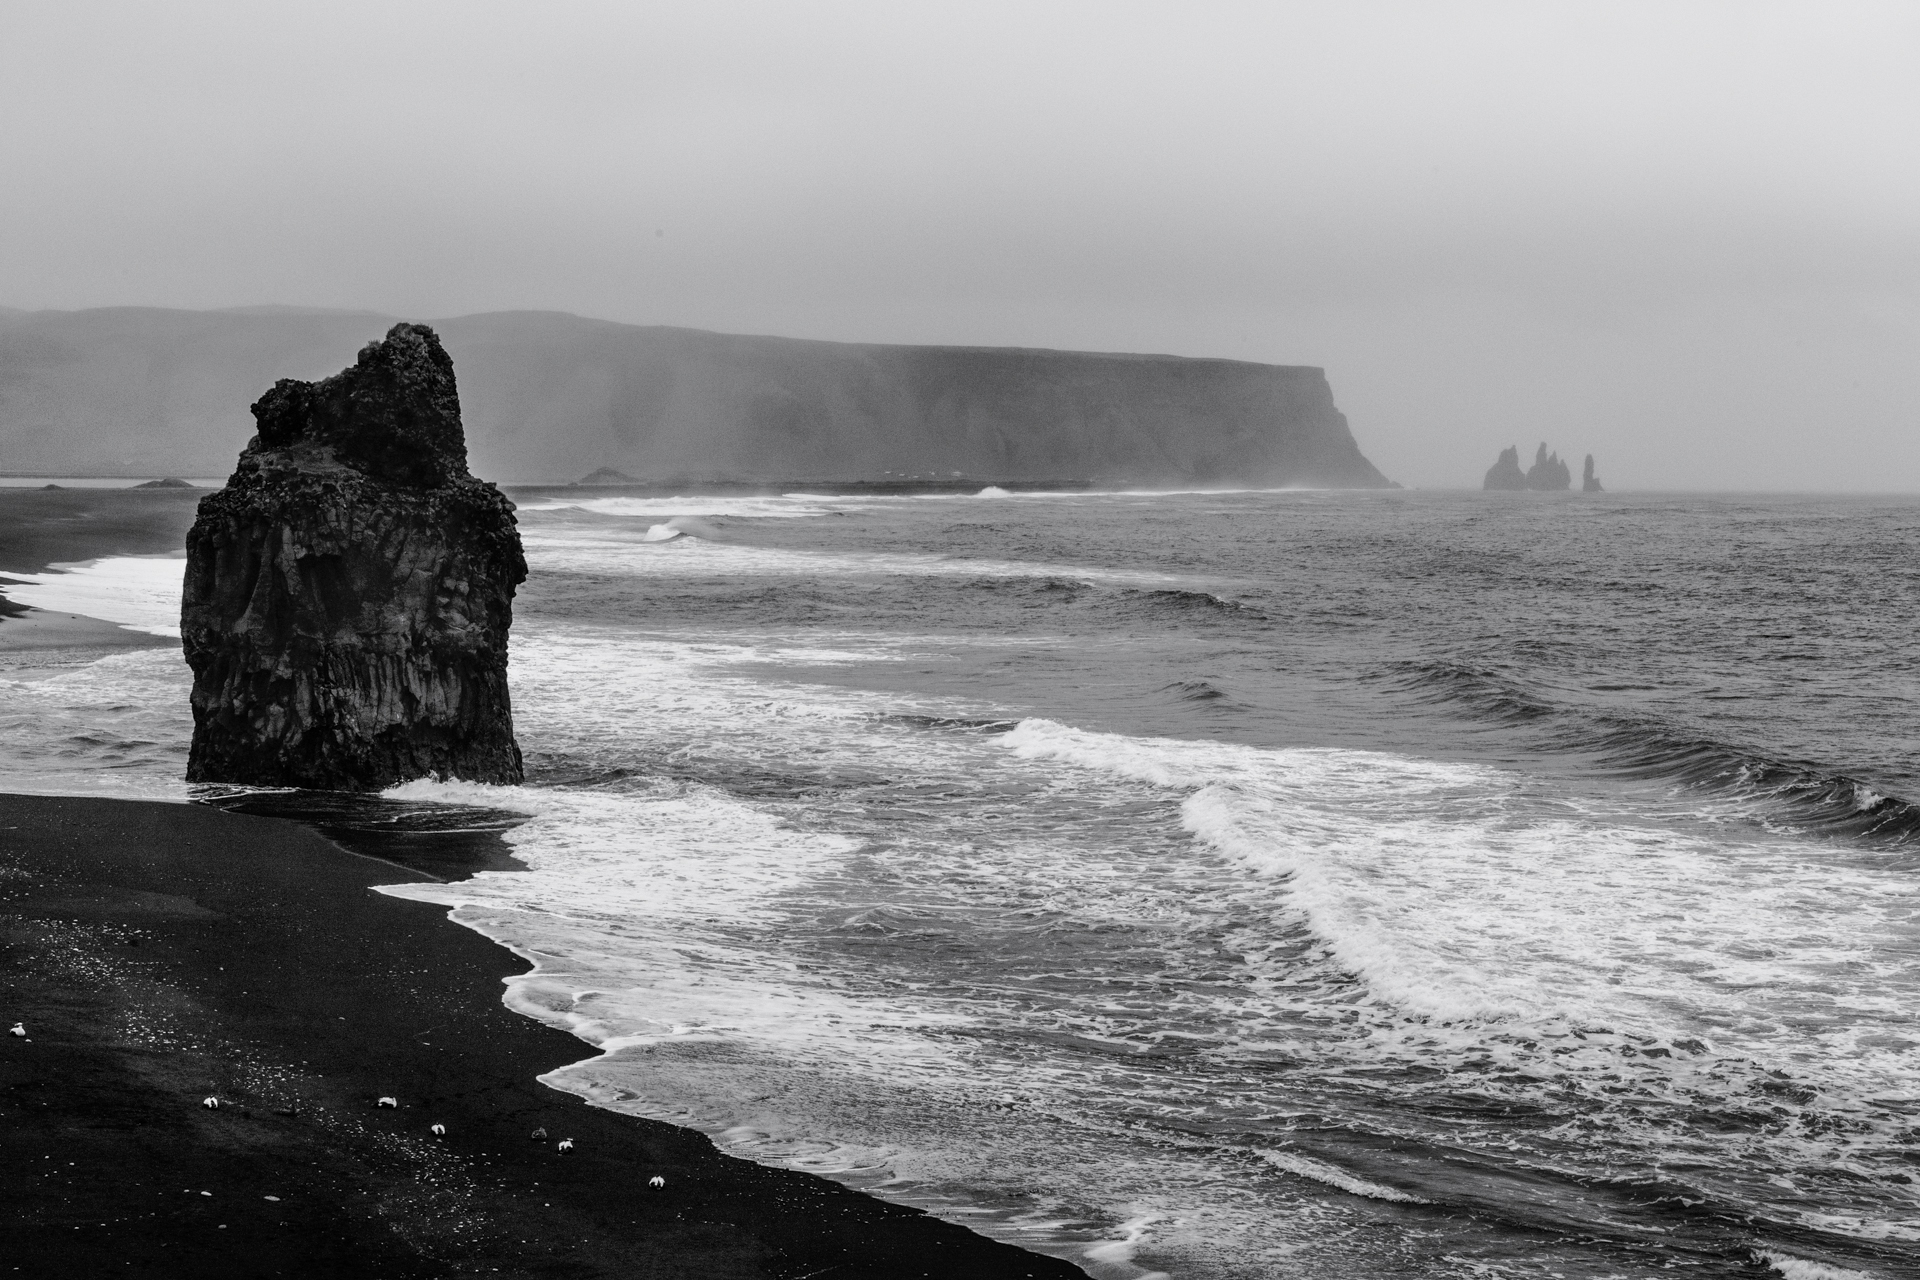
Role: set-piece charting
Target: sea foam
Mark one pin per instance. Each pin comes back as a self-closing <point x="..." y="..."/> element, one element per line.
<point x="141" y="593"/>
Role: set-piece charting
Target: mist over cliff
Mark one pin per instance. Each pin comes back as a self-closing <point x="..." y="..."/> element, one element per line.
<point x="551" y="397"/>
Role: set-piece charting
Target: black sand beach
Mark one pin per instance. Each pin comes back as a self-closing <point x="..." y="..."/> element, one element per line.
<point x="160" y="954"/>
<point x="40" y="527"/>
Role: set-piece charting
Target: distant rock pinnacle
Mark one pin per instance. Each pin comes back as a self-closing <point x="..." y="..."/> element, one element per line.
<point x="1506" y="473"/>
<point x="348" y="594"/>
<point x="1547" y="471"/>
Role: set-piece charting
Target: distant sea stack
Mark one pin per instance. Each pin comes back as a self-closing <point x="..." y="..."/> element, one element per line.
<point x="607" y="475"/>
<point x="1505" y="473"/>
<point x="549" y="398"/>
<point x="1589" y="482"/>
<point x="348" y="594"/>
<point x="1546" y="473"/>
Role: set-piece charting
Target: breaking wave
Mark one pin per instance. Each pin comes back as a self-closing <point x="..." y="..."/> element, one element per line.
<point x="1799" y="794"/>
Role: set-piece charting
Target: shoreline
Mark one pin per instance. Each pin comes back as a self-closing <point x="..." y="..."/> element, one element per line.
<point x="159" y="953"/>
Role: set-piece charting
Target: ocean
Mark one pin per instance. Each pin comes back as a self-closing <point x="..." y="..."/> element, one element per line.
<point x="1214" y="885"/>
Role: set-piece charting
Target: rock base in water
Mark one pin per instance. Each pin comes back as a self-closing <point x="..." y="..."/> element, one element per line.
<point x="348" y="594"/>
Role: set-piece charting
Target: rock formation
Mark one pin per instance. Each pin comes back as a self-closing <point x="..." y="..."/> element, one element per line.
<point x="1589" y="482"/>
<point x="1547" y="471"/>
<point x="548" y="397"/>
<point x="1506" y="473"/>
<point x="607" y="475"/>
<point x="348" y="594"/>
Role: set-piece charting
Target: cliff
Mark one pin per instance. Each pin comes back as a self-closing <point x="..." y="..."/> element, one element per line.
<point x="348" y="594"/>
<point x="551" y="397"/>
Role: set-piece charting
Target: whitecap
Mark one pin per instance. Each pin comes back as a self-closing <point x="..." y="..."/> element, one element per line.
<point x="1320" y="1171"/>
<point x="1801" y="1269"/>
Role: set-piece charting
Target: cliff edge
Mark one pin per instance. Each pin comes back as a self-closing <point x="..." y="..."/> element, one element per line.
<point x="348" y="594"/>
<point x="549" y="397"/>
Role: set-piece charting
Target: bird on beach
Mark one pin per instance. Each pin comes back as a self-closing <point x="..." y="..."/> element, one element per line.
<point x="439" y="1130"/>
<point x="566" y="1144"/>
<point x="17" y="1029"/>
<point x="387" y="1101"/>
<point x="656" y="1181"/>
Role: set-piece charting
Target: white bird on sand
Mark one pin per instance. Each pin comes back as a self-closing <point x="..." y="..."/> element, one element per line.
<point x="387" y="1102"/>
<point x="210" y="1102"/>
<point x="656" y="1181"/>
<point x="566" y="1144"/>
<point x="439" y="1130"/>
<point x="17" y="1029"/>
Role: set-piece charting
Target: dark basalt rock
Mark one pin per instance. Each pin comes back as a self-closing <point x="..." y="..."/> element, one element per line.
<point x="348" y="594"/>
<point x="1547" y="471"/>
<point x="1589" y="482"/>
<point x="1506" y="473"/>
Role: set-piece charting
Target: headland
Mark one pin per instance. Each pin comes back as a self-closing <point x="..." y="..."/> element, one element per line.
<point x="550" y="398"/>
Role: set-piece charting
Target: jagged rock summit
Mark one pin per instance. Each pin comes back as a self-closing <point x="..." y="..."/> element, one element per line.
<point x="1505" y="473"/>
<point x="1547" y="472"/>
<point x="348" y="594"/>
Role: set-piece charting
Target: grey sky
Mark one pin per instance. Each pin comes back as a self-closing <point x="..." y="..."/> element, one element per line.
<point x="1681" y="236"/>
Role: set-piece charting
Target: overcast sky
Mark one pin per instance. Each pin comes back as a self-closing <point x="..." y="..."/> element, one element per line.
<point x="1681" y="236"/>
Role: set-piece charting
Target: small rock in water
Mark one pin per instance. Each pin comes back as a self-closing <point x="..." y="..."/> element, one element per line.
<point x="539" y="1135"/>
<point x="656" y="1181"/>
<point x="387" y="1101"/>
<point x="439" y="1130"/>
<point x="17" y="1029"/>
<point x="210" y="1102"/>
<point x="566" y="1144"/>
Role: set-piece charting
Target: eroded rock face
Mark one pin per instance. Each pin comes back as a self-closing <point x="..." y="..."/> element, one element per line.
<point x="1505" y="473"/>
<point x="1548" y="472"/>
<point x="348" y="594"/>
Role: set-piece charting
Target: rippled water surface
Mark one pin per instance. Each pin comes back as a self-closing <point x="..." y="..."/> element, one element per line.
<point x="1225" y="885"/>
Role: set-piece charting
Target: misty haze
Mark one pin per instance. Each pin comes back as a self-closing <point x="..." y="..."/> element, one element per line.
<point x="1122" y="640"/>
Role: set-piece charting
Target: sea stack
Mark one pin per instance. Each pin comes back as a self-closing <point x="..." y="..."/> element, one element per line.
<point x="1547" y="471"/>
<point x="1589" y="482"/>
<point x="1505" y="473"/>
<point x="348" y="594"/>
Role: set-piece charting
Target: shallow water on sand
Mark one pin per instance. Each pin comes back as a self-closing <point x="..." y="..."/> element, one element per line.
<point x="1223" y="885"/>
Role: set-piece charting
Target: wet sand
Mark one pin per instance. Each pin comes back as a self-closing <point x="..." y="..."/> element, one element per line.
<point x="65" y="526"/>
<point x="160" y="954"/>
